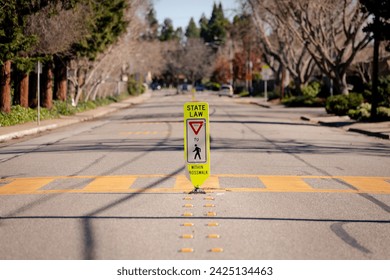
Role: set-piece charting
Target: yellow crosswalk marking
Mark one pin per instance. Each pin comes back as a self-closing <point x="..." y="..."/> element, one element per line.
<point x="143" y="132"/>
<point x="285" y="184"/>
<point x="211" y="183"/>
<point x="110" y="184"/>
<point x="125" y="184"/>
<point x="24" y="185"/>
<point x="368" y="184"/>
<point x="182" y="184"/>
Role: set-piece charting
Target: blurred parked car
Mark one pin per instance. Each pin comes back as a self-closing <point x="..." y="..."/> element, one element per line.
<point x="226" y="90"/>
<point x="184" y="87"/>
<point x="199" y="87"/>
<point x="155" y="86"/>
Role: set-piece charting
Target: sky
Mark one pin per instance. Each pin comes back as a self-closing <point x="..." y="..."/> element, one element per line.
<point x="180" y="11"/>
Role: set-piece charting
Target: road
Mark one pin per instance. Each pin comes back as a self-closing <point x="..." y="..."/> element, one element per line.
<point x="115" y="188"/>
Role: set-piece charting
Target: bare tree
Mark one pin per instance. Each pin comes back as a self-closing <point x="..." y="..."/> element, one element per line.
<point x="194" y="60"/>
<point x="57" y="29"/>
<point x="282" y="45"/>
<point x="330" y="31"/>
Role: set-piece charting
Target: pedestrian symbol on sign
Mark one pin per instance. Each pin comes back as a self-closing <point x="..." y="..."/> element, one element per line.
<point x="197" y="151"/>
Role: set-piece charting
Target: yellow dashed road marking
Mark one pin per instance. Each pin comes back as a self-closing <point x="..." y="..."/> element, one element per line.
<point x="124" y="184"/>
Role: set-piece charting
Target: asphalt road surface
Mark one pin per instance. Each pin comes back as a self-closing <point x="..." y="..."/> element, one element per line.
<point x="115" y="188"/>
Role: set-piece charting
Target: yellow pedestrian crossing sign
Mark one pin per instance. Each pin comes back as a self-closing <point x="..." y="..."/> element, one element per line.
<point x="197" y="141"/>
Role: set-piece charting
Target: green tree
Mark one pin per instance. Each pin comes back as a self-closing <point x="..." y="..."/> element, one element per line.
<point x="204" y="31"/>
<point x="179" y="34"/>
<point x="217" y="26"/>
<point x="106" y="23"/>
<point x="192" y="30"/>
<point x="12" y="42"/>
<point x="380" y="28"/>
<point x="167" y="31"/>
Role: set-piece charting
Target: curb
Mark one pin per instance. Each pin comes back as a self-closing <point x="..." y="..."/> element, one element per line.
<point x="343" y="121"/>
<point x="31" y="131"/>
<point x="77" y="118"/>
<point x="260" y="104"/>
<point x="369" y="133"/>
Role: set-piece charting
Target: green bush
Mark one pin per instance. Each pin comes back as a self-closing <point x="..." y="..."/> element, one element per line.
<point x="341" y="104"/>
<point x="361" y="113"/>
<point x="383" y="91"/>
<point x="134" y="87"/>
<point x="355" y="100"/>
<point x="311" y="90"/>
<point x="21" y="115"/>
<point x="64" y="108"/>
<point x="308" y="97"/>
<point x="244" y="93"/>
<point x="383" y="113"/>
<point x="303" y="101"/>
<point x="213" y="86"/>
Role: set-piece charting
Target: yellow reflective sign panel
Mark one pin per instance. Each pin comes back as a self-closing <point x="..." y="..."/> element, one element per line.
<point x="197" y="141"/>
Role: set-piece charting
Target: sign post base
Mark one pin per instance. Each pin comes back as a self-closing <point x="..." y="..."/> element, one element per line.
<point x="197" y="190"/>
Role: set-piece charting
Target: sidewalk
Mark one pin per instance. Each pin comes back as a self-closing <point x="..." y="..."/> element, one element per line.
<point x="378" y="129"/>
<point x="17" y="131"/>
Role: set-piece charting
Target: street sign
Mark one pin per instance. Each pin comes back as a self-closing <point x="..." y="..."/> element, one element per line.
<point x="197" y="141"/>
<point x="266" y="72"/>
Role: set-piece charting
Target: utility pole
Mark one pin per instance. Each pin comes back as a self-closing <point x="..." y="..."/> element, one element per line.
<point x="375" y="70"/>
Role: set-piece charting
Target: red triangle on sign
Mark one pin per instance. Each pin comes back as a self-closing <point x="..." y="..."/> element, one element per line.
<point x="196" y="126"/>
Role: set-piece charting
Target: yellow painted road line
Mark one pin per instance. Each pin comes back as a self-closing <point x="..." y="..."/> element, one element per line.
<point x="124" y="184"/>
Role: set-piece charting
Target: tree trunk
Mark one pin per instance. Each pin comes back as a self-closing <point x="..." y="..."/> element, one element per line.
<point x="344" y="84"/>
<point x="32" y="90"/>
<point x="5" y="87"/>
<point x="60" y="79"/>
<point x="24" y="86"/>
<point x="340" y="83"/>
<point x="48" y="86"/>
